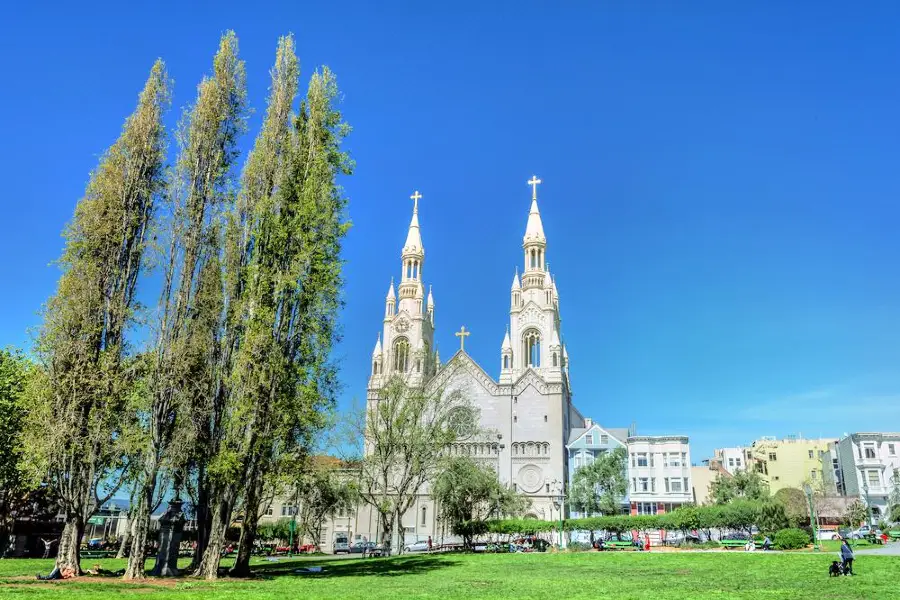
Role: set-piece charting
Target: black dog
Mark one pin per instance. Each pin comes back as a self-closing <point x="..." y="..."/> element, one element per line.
<point x="836" y="569"/>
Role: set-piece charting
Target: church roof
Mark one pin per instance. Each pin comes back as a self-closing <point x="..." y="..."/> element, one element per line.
<point x="391" y="295"/>
<point x="534" y="230"/>
<point x="506" y="343"/>
<point x="619" y="433"/>
<point x="515" y="283"/>
<point x="430" y="297"/>
<point x="414" y="237"/>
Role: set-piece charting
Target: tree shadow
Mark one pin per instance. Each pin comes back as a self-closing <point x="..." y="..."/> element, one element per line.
<point x="379" y="567"/>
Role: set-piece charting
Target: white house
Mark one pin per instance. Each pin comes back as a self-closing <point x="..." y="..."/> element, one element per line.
<point x="869" y="465"/>
<point x="659" y="473"/>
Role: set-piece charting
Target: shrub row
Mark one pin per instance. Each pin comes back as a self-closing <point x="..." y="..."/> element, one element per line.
<point x="737" y="515"/>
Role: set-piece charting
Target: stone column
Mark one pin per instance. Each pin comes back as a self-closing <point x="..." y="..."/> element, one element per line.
<point x="171" y="526"/>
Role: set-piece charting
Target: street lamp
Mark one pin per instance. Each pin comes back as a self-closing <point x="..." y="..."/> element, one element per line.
<point x="813" y="519"/>
<point x="558" y="501"/>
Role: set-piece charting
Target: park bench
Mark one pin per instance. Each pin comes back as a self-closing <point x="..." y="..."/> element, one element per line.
<point x="732" y="543"/>
<point x="95" y="554"/>
<point x="618" y="545"/>
<point x="894" y="535"/>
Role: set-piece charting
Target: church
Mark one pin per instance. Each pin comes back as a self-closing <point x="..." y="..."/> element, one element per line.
<point x="525" y="413"/>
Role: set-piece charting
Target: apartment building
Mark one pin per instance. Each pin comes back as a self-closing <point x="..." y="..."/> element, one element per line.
<point x="789" y="462"/>
<point x="659" y="474"/>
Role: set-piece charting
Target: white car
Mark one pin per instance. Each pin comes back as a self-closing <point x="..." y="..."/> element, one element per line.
<point x="861" y="532"/>
<point x="416" y="547"/>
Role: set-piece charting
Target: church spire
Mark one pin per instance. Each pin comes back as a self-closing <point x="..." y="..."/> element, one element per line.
<point x="413" y="244"/>
<point x="534" y="229"/>
<point x="534" y="243"/>
<point x="413" y="256"/>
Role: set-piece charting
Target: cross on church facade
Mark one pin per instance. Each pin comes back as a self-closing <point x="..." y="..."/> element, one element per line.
<point x="533" y="182"/>
<point x="415" y="198"/>
<point x="462" y="334"/>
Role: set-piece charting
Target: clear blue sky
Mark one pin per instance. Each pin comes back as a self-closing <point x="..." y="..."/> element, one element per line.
<point x="720" y="183"/>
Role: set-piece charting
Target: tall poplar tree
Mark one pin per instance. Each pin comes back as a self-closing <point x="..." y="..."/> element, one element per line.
<point x="77" y="410"/>
<point x="201" y="188"/>
<point x="281" y="374"/>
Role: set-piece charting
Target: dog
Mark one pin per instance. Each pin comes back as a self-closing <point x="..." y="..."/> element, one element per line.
<point x="836" y="569"/>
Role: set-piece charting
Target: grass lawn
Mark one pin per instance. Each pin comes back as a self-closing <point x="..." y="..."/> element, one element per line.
<point x="508" y="576"/>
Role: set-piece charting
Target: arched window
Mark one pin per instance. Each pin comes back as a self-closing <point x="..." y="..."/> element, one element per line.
<point x="506" y="362"/>
<point x="531" y="342"/>
<point x="401" y="355"/>
<point x="555" y="360"/>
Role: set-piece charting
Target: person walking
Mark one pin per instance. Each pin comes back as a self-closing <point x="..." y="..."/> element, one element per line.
<point x="847" y="557"/>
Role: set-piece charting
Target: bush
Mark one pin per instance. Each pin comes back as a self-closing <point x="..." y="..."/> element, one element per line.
<point x="578" y="546"/>
<point x="791" y="539"/>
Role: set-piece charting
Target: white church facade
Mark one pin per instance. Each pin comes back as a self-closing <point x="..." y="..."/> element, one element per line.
<point x="525" y="414"/>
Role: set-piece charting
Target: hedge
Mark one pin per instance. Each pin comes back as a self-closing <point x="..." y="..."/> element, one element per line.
<point x="737" y="515"/>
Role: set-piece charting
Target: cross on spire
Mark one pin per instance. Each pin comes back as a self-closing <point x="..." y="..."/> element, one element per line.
<point x="533" y="182"/>
<point x="462" y="334"/>
<point x="415" y="198"/>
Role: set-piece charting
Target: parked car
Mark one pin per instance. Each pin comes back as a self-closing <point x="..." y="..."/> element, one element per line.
<point x="416" y="547"/>
<point x="862" y="532"/>
<point x="362" y="547"/>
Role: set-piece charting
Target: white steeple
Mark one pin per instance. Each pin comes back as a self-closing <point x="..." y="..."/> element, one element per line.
<point x="534" y="230"/>
<point x="390" y="294"/>
<point x="377" y="351"/>
<point x="414" y="237"/>
<point x="515" y="283"/>
<point x="506" y="343"/>
<point x="534" y="243"/>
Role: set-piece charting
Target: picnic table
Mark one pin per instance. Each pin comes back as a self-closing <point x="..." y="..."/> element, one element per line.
<point x="732" y="543"/>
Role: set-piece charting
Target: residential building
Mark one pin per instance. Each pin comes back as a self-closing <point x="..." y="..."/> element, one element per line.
<point x="589" y="442"/>
<point x="789" y="462"/>
<point x="659" y="473"/>
<point x="869" y="468"/>
<point x="731" y="459"/>
<point x="702" y="478"/>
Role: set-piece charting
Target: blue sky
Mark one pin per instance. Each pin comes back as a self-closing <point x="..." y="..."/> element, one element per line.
<point x="720" y="183"/>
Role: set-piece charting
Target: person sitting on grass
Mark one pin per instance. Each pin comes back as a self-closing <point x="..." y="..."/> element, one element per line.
<point x="56" y="573"/>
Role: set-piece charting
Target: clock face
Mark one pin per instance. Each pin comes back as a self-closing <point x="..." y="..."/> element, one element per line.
<point x="401" y="326"/>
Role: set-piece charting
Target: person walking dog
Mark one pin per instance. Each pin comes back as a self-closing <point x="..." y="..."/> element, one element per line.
<point x="847" y="558"/>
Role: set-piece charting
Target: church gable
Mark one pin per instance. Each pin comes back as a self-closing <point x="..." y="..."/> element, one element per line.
<point x="463" y="364"/>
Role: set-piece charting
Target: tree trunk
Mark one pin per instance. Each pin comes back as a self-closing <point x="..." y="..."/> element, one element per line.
<point x="241" y="566"/>
<point x="138" y="556"/>
<point x="125" y="546"/>
<point x="209" y="564"/>
<point x="387" y="530"/>
<point x="69" y="555"/>
<point x="203" y="518"/>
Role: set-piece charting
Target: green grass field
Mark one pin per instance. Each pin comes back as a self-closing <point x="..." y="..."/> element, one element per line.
<point x="560" y="576"/>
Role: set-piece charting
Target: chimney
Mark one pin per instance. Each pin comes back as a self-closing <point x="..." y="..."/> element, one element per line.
<point x="588" y="422"/>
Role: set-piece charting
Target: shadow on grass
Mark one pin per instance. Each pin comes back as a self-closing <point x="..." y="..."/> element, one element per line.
<point x="378" y="567"/>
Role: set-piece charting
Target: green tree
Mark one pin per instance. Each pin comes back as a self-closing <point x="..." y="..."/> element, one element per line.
<point x="741" y="514"/>
<point x="406" y="432"/>
<point x="856" y="514"/>
<point x="600" y="487"/>
<point x="743" y="484"/>
<point x="894" y="499"/>
<point x="208" y="138"/>
<point x="283" y="379"/>
<point x="795" y="504"/>
<point x="78" y="408"/>
<point x="14" y="482"/>
<point x="321" y="494"/>
<point x="773" y="516"/>
<point x="468" y="493"/>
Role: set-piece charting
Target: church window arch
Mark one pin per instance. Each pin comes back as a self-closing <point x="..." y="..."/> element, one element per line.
<point x="531" y="345"/>
<point x="506" y="361"/>
<point x="401" y="354"/>
<point x="555" y="360"/>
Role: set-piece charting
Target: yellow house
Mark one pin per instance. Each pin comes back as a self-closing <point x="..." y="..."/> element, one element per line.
<point x="789" y="462"/>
